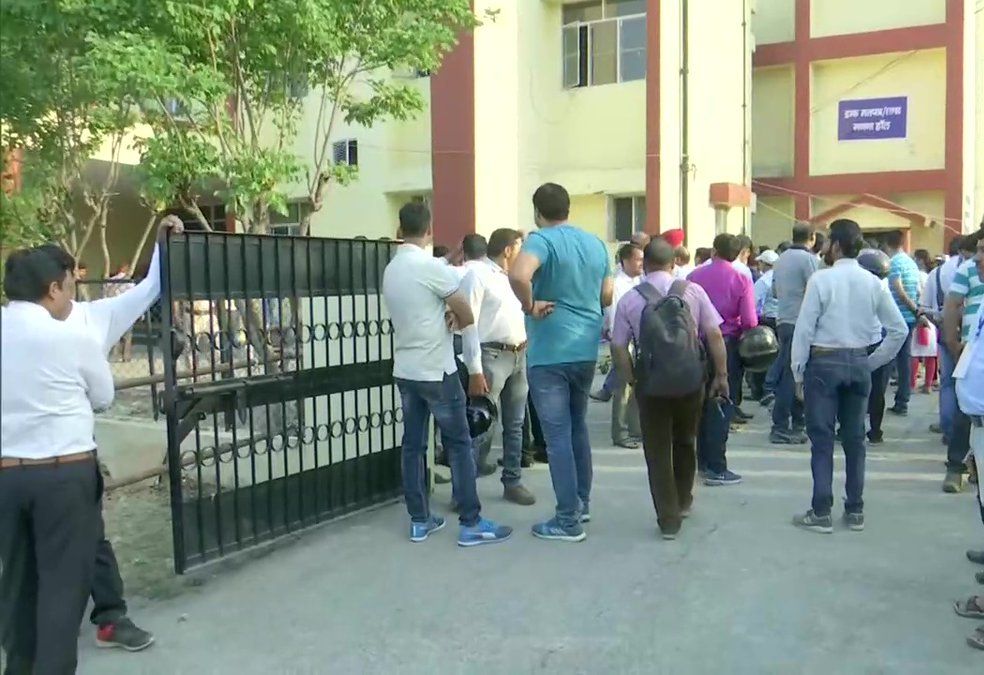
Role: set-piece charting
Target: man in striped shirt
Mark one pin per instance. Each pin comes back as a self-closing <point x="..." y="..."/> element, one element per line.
<point x="963" y="300"/>
<point x="903" y="281"/>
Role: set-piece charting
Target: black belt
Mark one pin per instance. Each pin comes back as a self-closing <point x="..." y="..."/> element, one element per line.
<point x="976" y="420"/>
<point x="853" y="351"/>
<point x="498" y="346"/>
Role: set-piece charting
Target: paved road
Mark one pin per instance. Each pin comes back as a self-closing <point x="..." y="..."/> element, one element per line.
<point x="741" y="591"/>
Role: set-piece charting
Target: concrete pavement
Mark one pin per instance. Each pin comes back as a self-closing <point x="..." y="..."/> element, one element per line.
<point x="741" y="591"/>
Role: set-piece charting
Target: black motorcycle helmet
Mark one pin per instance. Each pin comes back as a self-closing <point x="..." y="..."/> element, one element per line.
<point x="875" y="261"/>
<point x="758" y="348"/>
<point x="481" y="413"/>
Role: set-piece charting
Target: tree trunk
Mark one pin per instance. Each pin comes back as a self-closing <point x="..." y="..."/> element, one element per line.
<point x="148" y="228"/>
<point x="103" y="244"/>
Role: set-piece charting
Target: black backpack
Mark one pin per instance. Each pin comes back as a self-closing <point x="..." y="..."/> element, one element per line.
<point x="669" y="355"/>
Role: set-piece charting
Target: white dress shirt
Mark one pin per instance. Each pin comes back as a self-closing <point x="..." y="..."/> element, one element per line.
<point x="415" y="285"/>
<point x="941" y="277"/>
<point x="621" y="285"/>
<point x="843" y="308"/>
<point x="498" y="313"/>
<point x="111" y="318"/>
<point x="683" y="271"/>
<point x="744" y="270"/>
<point x="52" y="377"/>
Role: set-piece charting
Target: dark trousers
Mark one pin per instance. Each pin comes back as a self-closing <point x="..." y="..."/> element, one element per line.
<point x="49" y="522"/>
<point x="836" y="386"/>
<point x="715" y="419"/>
<point x="876" y="400"/>
<point x="958" y="444"/>
<point x="788" y="410"/>
<point x="669" y="439"/>
<point x="756" y="381"/>
<point x="107" y="585"/>
<point x="903" y="369"/>
<point x="532" y="432"/>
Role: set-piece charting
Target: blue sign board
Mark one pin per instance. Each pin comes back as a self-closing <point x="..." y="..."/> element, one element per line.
<point x="871" y="119"/>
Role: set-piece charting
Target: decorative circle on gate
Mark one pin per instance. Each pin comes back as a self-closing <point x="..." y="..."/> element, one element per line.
<point x="373" y="327"/>
<point x="398" y="415"/>
<point x="227" y="454"/>
<point x="320" y="337"/>
<point x="288" y="336"/>
<point x="305" y="335"/>
<point x="361" y="329"/>
<point x="206" y="457"/>
<point x="244" y="450"/>
<point x="260" y="443"/>
<point x="337" y="429"/>
<point x="348" y="329"/>
<point x="323" y="432"/>
<point x="351" y="424"/>
<point x="278" y="442"/>
<point x="386" y="327"/>
<point x="294" y="438"/>
<point x="189" y="460"/>
<point x="387" y="417"/>
<point x="375" y="420"/>
<point x="334" y="330"/>
<point x="363" y="423"/>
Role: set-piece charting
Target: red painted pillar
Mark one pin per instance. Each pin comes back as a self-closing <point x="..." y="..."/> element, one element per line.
<point x="801" y="132"/>
<point x="953" y="195"/>
<point x="453" y="144"/>
<point x="652" y="116"/>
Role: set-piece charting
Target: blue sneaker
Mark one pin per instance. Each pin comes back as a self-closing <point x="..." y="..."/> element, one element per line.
<point x="483" y="532"/>
<point x="726" y="477"/>
<point x="420" y="531"/>
<point x="551" y="529"/>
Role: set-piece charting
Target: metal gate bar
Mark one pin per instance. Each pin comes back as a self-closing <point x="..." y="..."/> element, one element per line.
<point x="290" y="351"/>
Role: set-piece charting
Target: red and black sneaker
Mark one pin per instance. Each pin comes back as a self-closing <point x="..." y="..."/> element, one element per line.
<point x="123" y="634"/>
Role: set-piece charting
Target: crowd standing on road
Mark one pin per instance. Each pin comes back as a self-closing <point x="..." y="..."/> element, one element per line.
<point x="507" y="330"/>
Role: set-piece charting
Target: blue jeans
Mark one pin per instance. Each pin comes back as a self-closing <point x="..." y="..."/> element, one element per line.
<point x="837" y="385"/>
<point x="446" y="402"/>
<point x="716" y="416"/>
<point x="788" y="410"/>
<point x="903" y="367"/>
<point x="560" y="394"/>
<point x="948" y="391"/>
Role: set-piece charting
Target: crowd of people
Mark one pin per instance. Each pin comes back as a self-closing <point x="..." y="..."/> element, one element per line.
<point x="846" y="317"/>
<point x="511" y="332"/>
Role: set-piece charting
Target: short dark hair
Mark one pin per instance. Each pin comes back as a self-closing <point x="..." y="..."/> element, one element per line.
<point x="659" y="254"/>
<point x="818" y="243"/>
<point x="415" y="219"/>
<point x="970" y="241"/>
<point x="552" y="202"/>
<point x="801" y="233"/>
<point x="726" y="246"/>
<point x="682" y="254"/>
<point x="702" y="254"/>
<point x="29" y="273"/>
<point x="923" y="254"/>
<point x="743" y="242"/>
<point x="625" y="251"/>
<point x="847" y="235"/>
<point x="440" y="251"/>
<point x="474" y="247"/>
<point x="502" y="239"/>
<point x="894" y="239"/>
<point x="783" y="245"/>
<point x="955" y="244"/>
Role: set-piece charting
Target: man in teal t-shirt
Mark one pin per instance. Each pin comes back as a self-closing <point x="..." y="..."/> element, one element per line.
<point x="561" y="278"/>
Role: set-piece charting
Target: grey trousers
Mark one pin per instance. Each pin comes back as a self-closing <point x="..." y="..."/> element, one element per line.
<point x="49" y="522"/>
<point x="625" y="413"/>
<point x="505" y="373"/>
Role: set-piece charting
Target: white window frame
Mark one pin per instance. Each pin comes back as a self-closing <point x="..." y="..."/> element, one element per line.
<point x="619" y="21"/>
<point x="349" y="143"/>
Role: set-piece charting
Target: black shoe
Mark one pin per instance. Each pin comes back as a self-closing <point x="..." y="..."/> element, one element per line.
<point x="767" y="400"/>
<point x="854" y="521"/>
<point x="896" y="410"/>
<point x="935" y="428"/>
<point x="741" y="415"/>
<point x="540" y="455"/>
<point x="783" y="437"/>
<point x="814" y="523"/>
<point x="876" y="439"/>
<point x="123" y="634"/>
<point x="976" y="557"/>
<point x="485" y="469"/>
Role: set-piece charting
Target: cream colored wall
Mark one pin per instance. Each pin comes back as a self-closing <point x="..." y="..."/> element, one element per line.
<point x="874" y="219"/>
<point x="590" y="212"/>
<point x="772" y="221"/>
<point x="919" y="75"/>
<point x="836" y="17"/>
<point x="774" y="21"/>
<point x="773" y="121"/>
<point x="127" y="219"/>
<point x="973" y="159"/>
<point x="978" y="122"/>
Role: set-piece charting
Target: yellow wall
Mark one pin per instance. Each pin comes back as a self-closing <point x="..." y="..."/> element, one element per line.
<point x="772" y="221"/>
<point x="590" y="212"/>
<point x="874" y="219"/>
<point x="921" y="76"/>
<point x="774" y="21"/>
<point x="773" y="121"/>
<point x="836" y="17"/>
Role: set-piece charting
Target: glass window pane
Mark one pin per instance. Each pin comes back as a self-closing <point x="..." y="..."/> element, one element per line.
<point x="622" y="213"/>
<point x="571" y="57"/>
<point x="633" y="65"/>
<point x="582" y="11"/>
<point x="640" y="214"/>
<point x="624" y="7"/>
<point x="633" y="34"/>
<point x="604" y="60"/>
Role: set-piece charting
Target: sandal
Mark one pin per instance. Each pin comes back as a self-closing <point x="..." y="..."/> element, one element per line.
<point x="980" y="577"/>
<point x="976" y="639"/>
<point x="971" y="608"/>
<point x="976" y="557"/>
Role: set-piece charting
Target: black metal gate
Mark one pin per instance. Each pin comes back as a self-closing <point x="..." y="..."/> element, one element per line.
<point x="280" y="403"/>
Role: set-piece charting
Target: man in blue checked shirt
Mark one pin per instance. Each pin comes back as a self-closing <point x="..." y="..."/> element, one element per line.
<point x="903" y="281"/>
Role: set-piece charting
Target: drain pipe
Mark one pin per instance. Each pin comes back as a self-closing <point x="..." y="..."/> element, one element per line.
<point x="746" y="75"/>
<point x="685" y="116"/>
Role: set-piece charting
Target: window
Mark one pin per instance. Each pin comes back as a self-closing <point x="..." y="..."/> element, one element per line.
<point x="346" y="152"/>
<point x="287" y="224"/>
<point x="604" y="42"/>
<point x="628" y="216"/>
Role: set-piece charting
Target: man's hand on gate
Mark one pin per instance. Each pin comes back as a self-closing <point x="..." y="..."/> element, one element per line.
<point x="172" y="223"/>
<point x="477" y="386"/>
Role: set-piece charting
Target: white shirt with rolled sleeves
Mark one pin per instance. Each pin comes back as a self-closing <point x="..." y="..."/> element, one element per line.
<point x="621" y="284"/>
<point x="53" y="376"/>
<point x="844" y="307"/>
<point x="498" y="313"/>
<point x="415" y="286"/>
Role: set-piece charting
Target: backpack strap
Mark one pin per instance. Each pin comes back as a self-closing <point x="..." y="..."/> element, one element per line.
<point x="678" y="287"/>
<point x="939" y="288"/>
<point x="649" y="292"/>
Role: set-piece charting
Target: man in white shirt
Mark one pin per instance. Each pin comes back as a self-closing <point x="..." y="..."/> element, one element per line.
<point x="53" y="379"/>
<point x="498" y="368"/>
<point x="843" y="308"/>
<point x="417" y="289"/>
<point x="626" y="431"/>
<point x="741" y="262"/>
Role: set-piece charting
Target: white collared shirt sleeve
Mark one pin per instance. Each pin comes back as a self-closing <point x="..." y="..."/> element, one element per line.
<point x="806" y="328"/>
<point x="895" y="327"/>
<point x="471" y="349"/>
<point x="111" y="318"/>
<point x="95" y="372"/>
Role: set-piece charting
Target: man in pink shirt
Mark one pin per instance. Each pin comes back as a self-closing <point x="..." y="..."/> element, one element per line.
<point x="733" y="297"/>
<point x="669" y="424"/>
